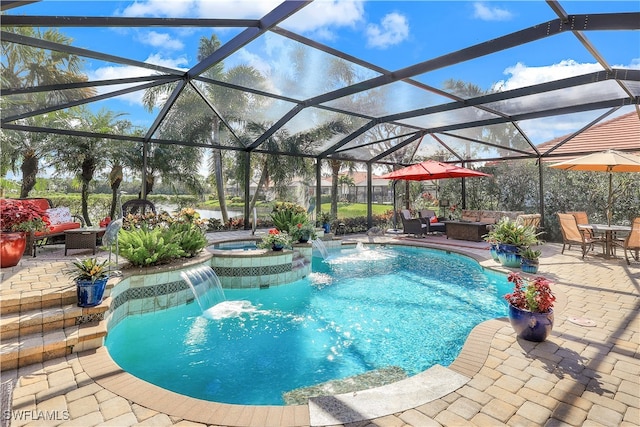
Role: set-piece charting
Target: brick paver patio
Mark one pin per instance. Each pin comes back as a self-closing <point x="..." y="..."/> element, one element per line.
<point x="582" y="375"/>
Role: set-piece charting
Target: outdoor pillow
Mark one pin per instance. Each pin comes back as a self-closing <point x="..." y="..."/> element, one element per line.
<point x="433" y="220"/>
<point x="488" y="220"/>
<point x="59" y="215"/>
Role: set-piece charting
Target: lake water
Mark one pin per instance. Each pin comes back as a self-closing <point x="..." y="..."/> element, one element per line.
<point x="204" y="213"/>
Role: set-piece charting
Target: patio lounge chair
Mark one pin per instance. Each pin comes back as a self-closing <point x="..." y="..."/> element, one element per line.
<point x="413" y="226"/>
<point x="427" y="216"/>
<point x="137" y="206"/>
<point x="572" y="235"/>
<point x="631" y="243"/>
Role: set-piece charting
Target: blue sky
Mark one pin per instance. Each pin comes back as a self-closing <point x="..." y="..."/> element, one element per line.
<point x="390" y="34"/>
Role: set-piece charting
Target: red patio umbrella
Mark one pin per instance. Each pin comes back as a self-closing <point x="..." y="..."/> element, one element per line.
<point x="431" y="169"/>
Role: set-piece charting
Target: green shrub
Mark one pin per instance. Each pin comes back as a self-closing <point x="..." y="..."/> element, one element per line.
<point x="157" y="239"/>
<point x="286" y="215"/>
<point x="146" y="246"/>
<point x="189" y="237"/>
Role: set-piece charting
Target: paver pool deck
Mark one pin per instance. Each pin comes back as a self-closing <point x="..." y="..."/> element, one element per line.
<point x="586" y="373"/>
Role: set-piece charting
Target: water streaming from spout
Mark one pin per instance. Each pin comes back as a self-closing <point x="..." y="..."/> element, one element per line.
<point x="205" y="285"/>
<point x="320" y="246"/>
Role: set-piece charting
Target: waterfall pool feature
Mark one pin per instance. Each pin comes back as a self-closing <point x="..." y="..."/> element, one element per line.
<point x="360" y="310"/>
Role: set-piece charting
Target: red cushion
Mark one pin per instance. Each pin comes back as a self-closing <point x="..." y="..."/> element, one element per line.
<point x="433" y="219"/>
<point x="41" y="203"/>
<point x="58" y="228"/>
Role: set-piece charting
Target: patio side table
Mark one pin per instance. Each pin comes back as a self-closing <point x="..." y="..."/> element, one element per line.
<point x="82" y="238"/>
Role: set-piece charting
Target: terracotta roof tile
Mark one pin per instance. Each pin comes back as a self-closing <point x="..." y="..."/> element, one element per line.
<point x="621" y="133"/>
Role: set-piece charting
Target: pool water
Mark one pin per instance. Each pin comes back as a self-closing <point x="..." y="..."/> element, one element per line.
<point x="360" y="310"/>
<point x="236" y="246"/>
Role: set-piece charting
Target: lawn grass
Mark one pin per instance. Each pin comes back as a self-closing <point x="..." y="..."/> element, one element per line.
<point x="351" y="210"/>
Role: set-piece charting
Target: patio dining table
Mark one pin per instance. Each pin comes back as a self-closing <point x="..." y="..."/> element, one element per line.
<point x="608" y="231"/>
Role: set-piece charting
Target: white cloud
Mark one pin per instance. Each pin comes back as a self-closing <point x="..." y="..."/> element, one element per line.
<point x="253" y="60"/>
<point x="545" y="129"/>
<point x="235" y="9"/>
<point x="521" y="75"/>
<point x="222" y="9"/>
<point x="159" y="8"/>
<point x="320" y="16"/>
<point x="162" y="40"/>
<point x="119" y="72"/>
<point x="485" y="13"/>
<point x="392" y="30"/>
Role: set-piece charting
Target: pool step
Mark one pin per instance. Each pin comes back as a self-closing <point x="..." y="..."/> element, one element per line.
<point x="36" y="335"/>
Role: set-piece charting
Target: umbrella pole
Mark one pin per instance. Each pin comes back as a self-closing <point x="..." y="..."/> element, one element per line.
<point x="610" y="200"/>
<point x="395" y="215"/>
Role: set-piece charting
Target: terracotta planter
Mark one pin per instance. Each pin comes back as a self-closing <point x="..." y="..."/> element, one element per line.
<point x="12" y="247"/>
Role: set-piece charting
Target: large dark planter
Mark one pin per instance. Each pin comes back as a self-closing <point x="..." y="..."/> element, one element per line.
<point x="531" y="326"/>
<point x="327" y="227"/>
<point x="277" y="247"/>
<point x="508" y="255"/>
<point x="90" y="293"/>
<point x="12" y="247"/>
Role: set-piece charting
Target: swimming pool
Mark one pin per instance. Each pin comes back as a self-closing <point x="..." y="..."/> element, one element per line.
<point x="359" y="311"/>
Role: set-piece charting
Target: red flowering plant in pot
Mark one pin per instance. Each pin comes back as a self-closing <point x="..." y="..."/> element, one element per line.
<point x="17" y="218"/>
<point x="275" y="240"/>
<point x="531" y="307"/>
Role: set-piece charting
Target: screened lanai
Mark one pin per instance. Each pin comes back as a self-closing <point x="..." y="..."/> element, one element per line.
<point x="378" y="109"/>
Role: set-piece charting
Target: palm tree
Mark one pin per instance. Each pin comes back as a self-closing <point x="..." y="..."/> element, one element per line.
<point x="84" y="155"/>
<point x="27" y="66"/>
<point x="345" y="182"/>
<point x="200" y="124"/>
<point x="282" y="169"/>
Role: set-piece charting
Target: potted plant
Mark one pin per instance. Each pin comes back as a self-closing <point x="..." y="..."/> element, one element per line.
<point x="17" y="218"/>
<point x="302" y="232"/>
<point x="529" y="261"/>
<point x="492" y="238"/>
<point x="511" y="236"/>
<point x="531" y="307"/>
<point x="325" y="218"/>
<point x="91" y="278"/>
<point x="275" y="240"/>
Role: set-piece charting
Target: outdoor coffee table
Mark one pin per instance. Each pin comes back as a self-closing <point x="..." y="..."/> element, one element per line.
<point x="463" y="230"/>
<point x="82" y="238"/>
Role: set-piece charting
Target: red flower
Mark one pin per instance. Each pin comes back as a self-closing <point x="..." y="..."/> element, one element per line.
<point x="274" y="231"/>
<point x="22" y="215"/>
<point x="535" y="296"/>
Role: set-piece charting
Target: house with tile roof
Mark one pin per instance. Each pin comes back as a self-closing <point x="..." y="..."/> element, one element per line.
<point x="621" y="133"/>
